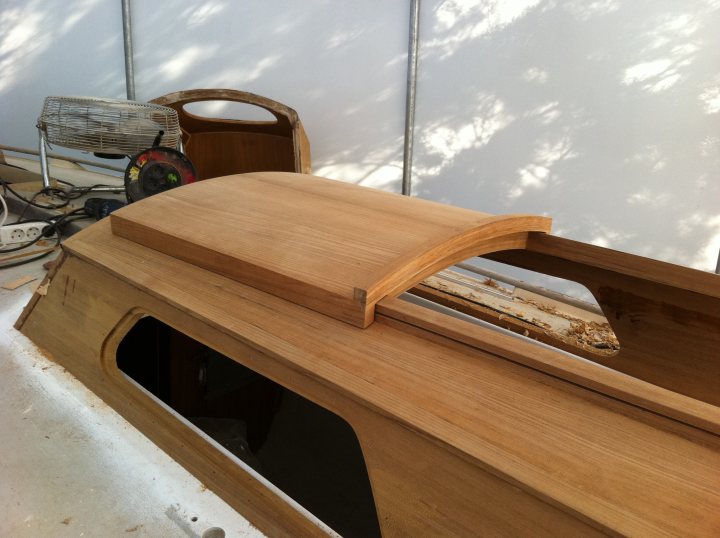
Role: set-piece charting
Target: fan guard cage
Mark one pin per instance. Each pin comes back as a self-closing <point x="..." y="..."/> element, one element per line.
<point x="112" y="126"/>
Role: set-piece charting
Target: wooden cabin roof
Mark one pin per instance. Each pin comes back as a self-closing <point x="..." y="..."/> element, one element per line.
<point x="331" y="246"/>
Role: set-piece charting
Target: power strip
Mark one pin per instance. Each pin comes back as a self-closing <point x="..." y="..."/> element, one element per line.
<point x="21" y="233"/>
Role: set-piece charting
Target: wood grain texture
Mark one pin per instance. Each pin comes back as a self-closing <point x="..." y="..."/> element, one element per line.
<point x="54" y="266"/>
<point x="220" y="147"/>
<point x="457" y="438"/>
<point x="609" y="382"/>
<point x="72" y="297"/>
<point x="666" y="317"/>
<point x="450" y="496"/>
<point x="334" y="247"/>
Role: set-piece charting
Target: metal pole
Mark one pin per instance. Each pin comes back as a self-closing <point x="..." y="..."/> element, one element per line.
<point x="43" y="159"/>
<point x="127" y="36"/>
<point x="410" y="96"/>
<point x="717" y="266"/>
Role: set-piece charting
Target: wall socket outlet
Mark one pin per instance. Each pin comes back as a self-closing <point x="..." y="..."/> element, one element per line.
<point x="21" y="233"/>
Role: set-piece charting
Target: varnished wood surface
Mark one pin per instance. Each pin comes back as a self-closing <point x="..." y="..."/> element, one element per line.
<point x="601" y="461"/>
<point x="608" y="382"/>
<point x="241" y="153"/>
<point x="449" y="495"/>
<point x="334" y="247"/>
<point x="219" y="147"/>
<point x="73" y="300"/>
<point x="666" y="317"/>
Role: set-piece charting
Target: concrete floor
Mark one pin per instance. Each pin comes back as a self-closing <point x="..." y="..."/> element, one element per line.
<point x="71" y="466"/>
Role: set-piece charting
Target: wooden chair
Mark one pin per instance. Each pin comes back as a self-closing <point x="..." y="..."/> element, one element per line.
<point x="220" y="147"/>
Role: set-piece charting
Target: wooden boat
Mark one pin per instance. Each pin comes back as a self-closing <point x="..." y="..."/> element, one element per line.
<point x="277" y="300"/>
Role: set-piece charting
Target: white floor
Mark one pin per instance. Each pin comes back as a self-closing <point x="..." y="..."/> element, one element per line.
<point x="71" y="466"/>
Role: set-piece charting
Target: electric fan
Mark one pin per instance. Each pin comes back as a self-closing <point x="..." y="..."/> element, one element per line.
<point x="107" y="127"/>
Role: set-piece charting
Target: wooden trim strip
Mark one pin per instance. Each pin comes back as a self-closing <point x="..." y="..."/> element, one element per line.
<point x="594" y="377"/>
<point x="625" y="264"/>
<point x="666" y="317"/>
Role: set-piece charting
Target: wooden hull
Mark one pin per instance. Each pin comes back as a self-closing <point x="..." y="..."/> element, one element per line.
<point x="464" y="431"/>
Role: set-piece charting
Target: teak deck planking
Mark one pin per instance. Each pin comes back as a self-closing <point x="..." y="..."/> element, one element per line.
<point x="464" y="431"/>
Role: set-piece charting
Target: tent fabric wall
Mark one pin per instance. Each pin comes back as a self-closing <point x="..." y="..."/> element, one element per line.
<point x="603" y="115"/>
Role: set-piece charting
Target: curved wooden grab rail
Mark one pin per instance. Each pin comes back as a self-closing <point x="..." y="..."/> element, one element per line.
<point x="286" y="117"/>
<point x="219" y="146"/>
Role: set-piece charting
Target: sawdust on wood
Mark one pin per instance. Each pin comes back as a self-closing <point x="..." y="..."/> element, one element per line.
<point x="597" y="336"/>
<point x="589" y="333"/>
<point x="490" y="283"/>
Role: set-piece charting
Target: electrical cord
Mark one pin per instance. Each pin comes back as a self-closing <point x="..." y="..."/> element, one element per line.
<point x="77" y="217"/>
<point x="22" y="213"/>
<point x="54" y="224"/>
<point x="66" y="196"/>
<point x="34" y="258"/>
<point x="61" y="220"/>
<point x="77" y="192"/>
<point x="54" y="227"/>
<point x="31" y="201"/>
<point x="4" y="216"/>
<point x="5" y="211"/>
<point x="32" y="241"/>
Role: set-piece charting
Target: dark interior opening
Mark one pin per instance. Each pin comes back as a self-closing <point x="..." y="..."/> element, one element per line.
<point x="310" y="453"/>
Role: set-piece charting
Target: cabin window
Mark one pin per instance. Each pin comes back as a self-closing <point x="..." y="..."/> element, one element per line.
<point x="308" y="452"/>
